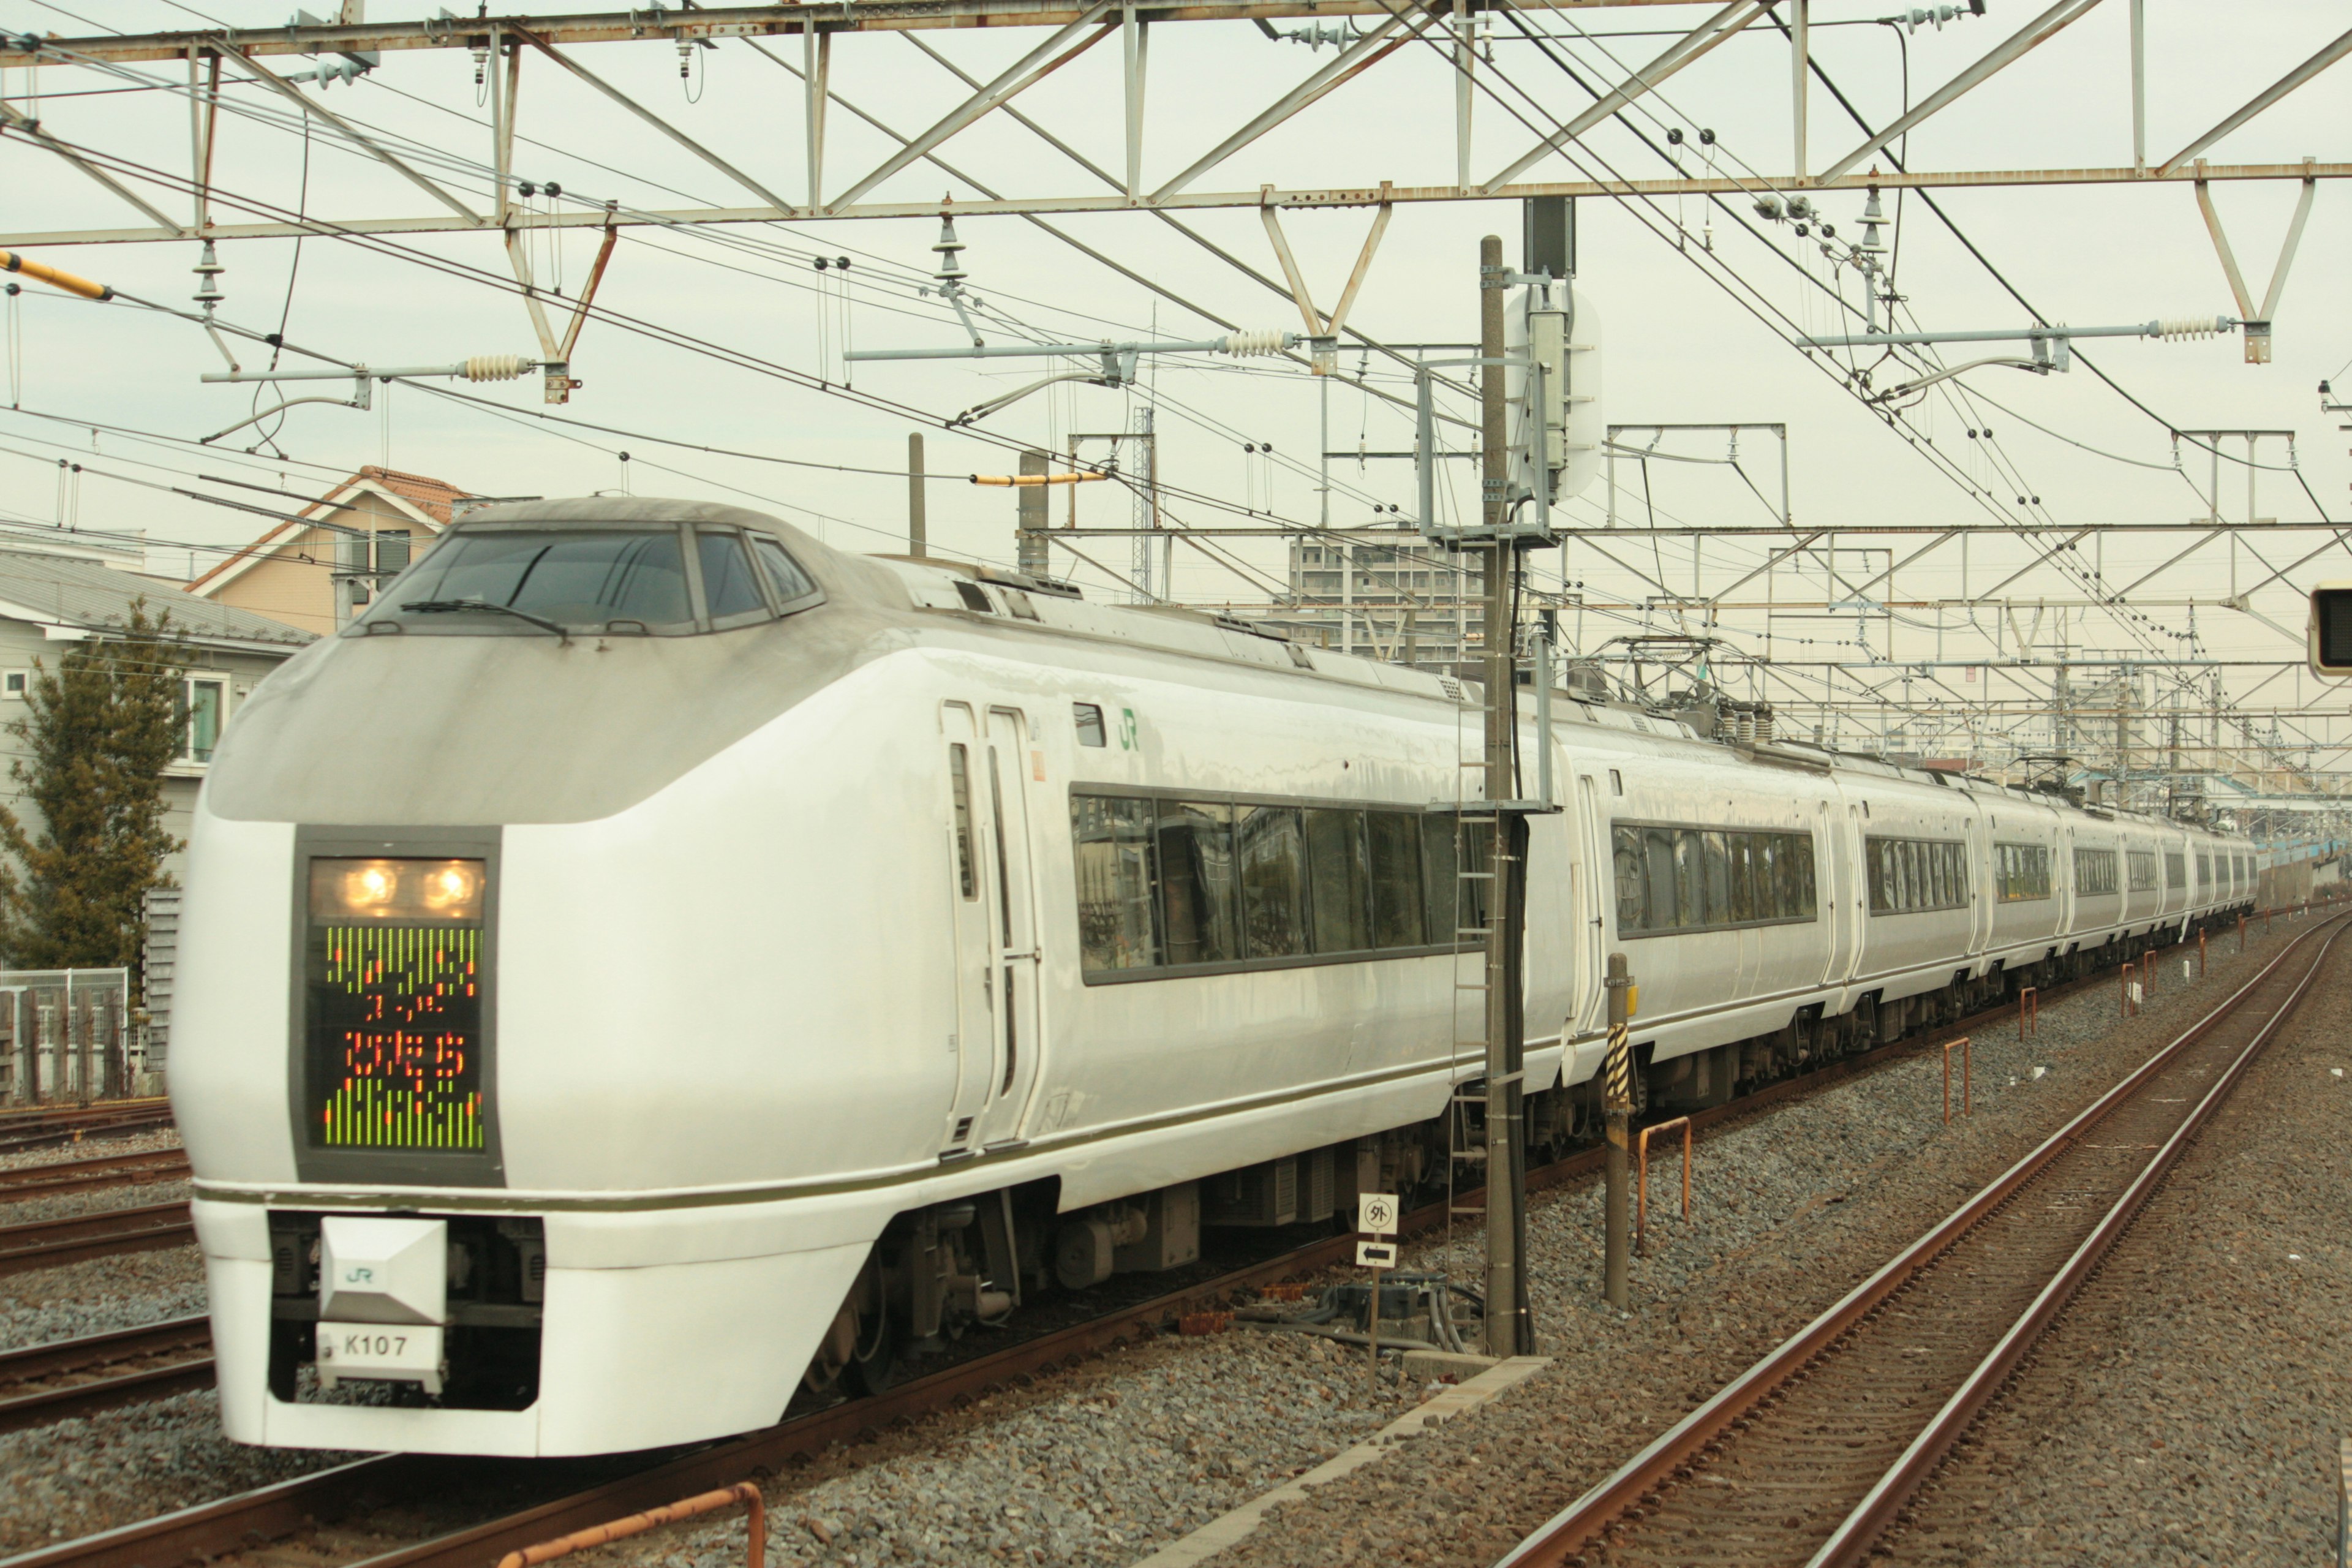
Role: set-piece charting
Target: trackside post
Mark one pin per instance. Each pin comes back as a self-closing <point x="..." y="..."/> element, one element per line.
<point x="1642" y="1180"/>
<point x="1617" y="1106"/>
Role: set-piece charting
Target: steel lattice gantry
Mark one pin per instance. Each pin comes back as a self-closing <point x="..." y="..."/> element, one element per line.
<point x="1112" y="151"/>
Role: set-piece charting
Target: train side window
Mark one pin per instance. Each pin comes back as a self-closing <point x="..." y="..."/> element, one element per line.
<point x="1195" y="862"/>
<point x="1658" y="871"/>
<point x="1769" y="847"/>
<point x="1272" y="851"/>
<point x="1116" y="928"/>
<point x="1089" y="720"/>
<point x="1440" y="886"/>
<point x="1632" y="897"/>
<point x="959" y="776"/>
<point x="1690" y="879"/>
<point x="1717" y="854"/>
<point x="1336" y="880"/>
<point x="1797" y="889"/>
<point x="1397" y="903"/>
<point x="1740" y="850"/>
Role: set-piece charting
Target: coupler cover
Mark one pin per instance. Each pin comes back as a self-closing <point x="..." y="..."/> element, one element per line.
<point x="382" y="1297"/>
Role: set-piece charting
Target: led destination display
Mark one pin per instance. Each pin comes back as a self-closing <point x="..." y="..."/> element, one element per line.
<point x="394" y="1014"/>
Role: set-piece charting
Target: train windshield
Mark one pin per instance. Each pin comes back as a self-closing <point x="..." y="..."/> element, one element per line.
<point x="583" y="580"/>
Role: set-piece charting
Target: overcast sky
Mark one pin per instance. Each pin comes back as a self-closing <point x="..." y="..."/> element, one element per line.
<point x="1680" y="347"/>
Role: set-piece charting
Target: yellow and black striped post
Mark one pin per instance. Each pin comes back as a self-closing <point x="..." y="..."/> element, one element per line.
<point x="1617" y="1107"/>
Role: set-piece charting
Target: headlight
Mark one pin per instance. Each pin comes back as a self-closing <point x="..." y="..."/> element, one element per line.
<point x="452" y="887"/>
<point x="395" y="891"/>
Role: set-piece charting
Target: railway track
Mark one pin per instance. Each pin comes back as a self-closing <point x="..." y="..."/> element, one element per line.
<point x="83" y="1175"/>
<point x="1810" y="1454"/>
<point x="321" y="1502"/>
<point x="50" y="1383"/>
<point x="50" y="1127"/>
<point x="44" y="1244"/>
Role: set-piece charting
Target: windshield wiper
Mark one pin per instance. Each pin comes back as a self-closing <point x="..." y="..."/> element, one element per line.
<point x="442" y="606"/>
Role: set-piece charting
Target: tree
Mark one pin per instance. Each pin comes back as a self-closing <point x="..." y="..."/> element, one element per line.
<point x="99" y="731"/>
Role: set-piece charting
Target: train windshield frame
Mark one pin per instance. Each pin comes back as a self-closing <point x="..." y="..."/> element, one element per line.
<point x="604" y="579"/>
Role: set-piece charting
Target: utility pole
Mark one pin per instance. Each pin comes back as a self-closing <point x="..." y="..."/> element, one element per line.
<point x="1617" y="1107"/>
<point x="918" y="540"/>
<point x="1508" y="1329"/>
<point x="1030" y="515"/>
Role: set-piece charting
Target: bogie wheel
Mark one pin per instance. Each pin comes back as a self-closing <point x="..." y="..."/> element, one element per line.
<point x="1866" y="1023"/>
<point x="873" y="1363"/>
<point x="859" y="1353"/>
<point x="834" y="1352"/>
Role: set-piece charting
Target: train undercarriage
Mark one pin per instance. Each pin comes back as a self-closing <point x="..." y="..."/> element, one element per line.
<point x="940" y="1272"/>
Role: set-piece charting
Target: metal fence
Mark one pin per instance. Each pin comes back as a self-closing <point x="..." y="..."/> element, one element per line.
<point x="66" y="1035"/>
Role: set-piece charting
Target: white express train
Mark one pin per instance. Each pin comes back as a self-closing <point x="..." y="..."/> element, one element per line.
<point x="651" y="961"/>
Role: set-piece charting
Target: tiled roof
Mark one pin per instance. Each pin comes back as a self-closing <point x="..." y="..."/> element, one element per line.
<point x="428" y="495"/>
<point x="85" y="593"/>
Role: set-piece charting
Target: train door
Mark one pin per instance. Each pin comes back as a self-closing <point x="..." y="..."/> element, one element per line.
<point x="975" y="921"/>
<point x="2061" y="880"/>
<point x="1002" y="794"/>
<point x="1601" y="889"/>
<point x="1979" y="895"/>
<point x="1841" y="888"/>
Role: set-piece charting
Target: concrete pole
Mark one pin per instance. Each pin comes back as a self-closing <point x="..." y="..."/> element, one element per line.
<point x="917" y="533"/>
<point x="1506" y="1330"/>
<point x="1030" y="538"/>
<point x="1617" y="1105"/>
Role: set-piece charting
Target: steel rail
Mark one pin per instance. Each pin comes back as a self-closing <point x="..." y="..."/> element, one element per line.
<point x="285" y="1508"/>
<point x="1859" y="1531"/>
<point x="106" y="1125"/>
<point x="44" y="1244"/>
<point x="12" y="1114"/>
<point x="1684" y="1444"/>
<point x="81" y="1175"/>
<point x="92" y="1352"/>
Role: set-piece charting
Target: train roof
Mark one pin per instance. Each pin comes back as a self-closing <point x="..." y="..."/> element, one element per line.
<point x="380" y="698"/>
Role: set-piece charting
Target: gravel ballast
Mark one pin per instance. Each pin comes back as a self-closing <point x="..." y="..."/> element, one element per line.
<point x="1789" y="1209"/>
<point x="2187" y="1406"/>
<point x="1102" y="1465"/>
<point x="101" y="1293"/>
<point x="92" y="1148"/>
<point x="1818" y="1196"/>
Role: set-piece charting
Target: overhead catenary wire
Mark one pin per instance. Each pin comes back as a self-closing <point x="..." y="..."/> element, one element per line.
<point x="497" y="281"/>
<point x="892" y="471"/>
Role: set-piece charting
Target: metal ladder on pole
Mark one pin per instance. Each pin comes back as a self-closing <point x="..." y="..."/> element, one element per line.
<point x="1473" y="910"/>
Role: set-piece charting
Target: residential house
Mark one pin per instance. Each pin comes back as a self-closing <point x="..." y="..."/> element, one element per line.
<point x="319" y="572"/>
<point x="54" y="594"/>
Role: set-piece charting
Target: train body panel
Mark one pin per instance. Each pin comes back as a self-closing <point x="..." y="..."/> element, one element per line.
<point x="967" y="917"/>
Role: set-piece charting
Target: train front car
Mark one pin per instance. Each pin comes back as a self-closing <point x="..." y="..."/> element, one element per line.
<point x="528" y="971"/>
